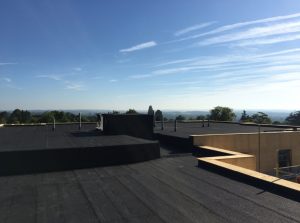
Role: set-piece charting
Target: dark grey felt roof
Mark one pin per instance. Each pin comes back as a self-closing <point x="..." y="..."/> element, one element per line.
<point x="169" y="189"/>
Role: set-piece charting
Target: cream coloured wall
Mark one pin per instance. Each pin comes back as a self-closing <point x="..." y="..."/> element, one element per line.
<point x="250" y="143"/>
<point x="241" y="161"/>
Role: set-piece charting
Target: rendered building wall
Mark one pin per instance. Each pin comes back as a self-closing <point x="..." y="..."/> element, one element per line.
<point x="251" y="143"/>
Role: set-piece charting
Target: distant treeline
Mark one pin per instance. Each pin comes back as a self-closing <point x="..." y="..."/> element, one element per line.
<point x="218" y="113"/>
<point x="25" y="117"/>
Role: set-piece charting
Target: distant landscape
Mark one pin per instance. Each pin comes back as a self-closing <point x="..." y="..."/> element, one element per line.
<point x="90" y="115"/>
<point x="275" y="115"/>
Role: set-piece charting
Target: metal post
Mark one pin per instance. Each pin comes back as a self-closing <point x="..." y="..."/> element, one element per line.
<point x="162" y="122"/>
<point x="277" y="163"/>
<point x="208" y="123"/>
<point x="202" y="122"/>
<point x="98" y="121"/>
<point x="259" y="147"/>
<point x="53" y="128"/>
<point x="175" y="125"/>
<point x="79" y="120"/>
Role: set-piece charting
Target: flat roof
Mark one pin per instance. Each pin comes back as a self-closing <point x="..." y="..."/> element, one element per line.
<point x="20" y="138"/>
<point x="185" y="129"/>
<point x="169" y="189"/>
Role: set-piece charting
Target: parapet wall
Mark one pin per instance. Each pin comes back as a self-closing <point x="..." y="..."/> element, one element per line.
<point x="263" y="146"/>
<point x="134" y="125"/>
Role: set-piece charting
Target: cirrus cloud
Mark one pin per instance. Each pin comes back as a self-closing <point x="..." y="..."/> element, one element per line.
<point x="139" y="47"/>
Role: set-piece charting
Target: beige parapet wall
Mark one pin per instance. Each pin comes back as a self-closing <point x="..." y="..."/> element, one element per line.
<point x="253" y="174"/>
<point x="232" y="157"/>
<point x="268" y="143"/>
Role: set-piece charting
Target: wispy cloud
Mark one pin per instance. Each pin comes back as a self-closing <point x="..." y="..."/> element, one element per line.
<point x="256" y="32"/>
<point x="288" y="51"/>
<point x="192" y="28"/>
<point x="121" y="61"/>
<point x="266" y="41"/>
<point x="180" y="83"/>
<point x="179" y="61"/>
<point x="51" y="77"/>
<point x="97" y="77"/>
<point x="77" y="68"/>
<point x="6" y="79"/>
<point x="113" y="80"/>
<point x="8" y="82"/>
<point x="14" y="87"/>
<point x="234" y="65"/>
<point x="162" y="72"/>
<point x="241" y="25"/>
<point x="69" y="85"/>
<point x="3" y="64"/>
<point x="292" y="76"/>
<point x="140" y="76"/>
<point x="74" y="86"/>
<point x="139" y="47"/>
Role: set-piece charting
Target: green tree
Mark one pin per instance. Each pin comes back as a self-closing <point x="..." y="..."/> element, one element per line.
<point x="131" y="112"/>
<point x="180" y="118"/>
<point x="245" y="117"/>
<point x="47" y="117"/>
<point x="222" y="114"/>
<point x="15" y="117"/>
<point x="19" y="116"/>
<point x="293" y="118"/>
<point x="70" y="117"/>
<point x="158" y="115"/>
<point x="25" y="117"/>
<point x="261" y="118"/>
<point x="88" y="118"/>
<point x="4" y="117"/>
<point x="60" y="116"/>
<point x="200" y="117"/>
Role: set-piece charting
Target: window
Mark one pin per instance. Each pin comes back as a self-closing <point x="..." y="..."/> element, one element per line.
<point x="284" y="158"/>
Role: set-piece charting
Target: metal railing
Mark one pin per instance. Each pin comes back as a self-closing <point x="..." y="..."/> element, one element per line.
<point x="291" y="173"/>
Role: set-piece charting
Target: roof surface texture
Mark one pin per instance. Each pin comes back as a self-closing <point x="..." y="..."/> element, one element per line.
<point x="170" y="189"/>
<point x="184" y="130"/>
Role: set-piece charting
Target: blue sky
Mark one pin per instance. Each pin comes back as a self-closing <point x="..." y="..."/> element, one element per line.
<point x="184" y="55"/>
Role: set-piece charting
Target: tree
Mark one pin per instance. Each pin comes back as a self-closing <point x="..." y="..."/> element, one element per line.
<point x="158" y="115"/>
<point x="131" y="112"/>
<point x="25" y="117"/>
<point x="276" y="123"/>
<point x="261" y="118"/>
<point x="19" y="116"/>
<point x="4" y="117"/>
<point x="60" y="116"/>
<point x="293" y="118"/>
<point x="15" y="117"/>
<point x="180" y="118"/>
<point x="200" y="117"/>
<point x="150" y="110"/>
<point x="222" y="114"/>
<point x="46" y="117"/>
<point x="245" y="117"/>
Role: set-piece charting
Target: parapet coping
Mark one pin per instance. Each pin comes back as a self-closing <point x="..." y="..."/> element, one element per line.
<point x="245" y="133"/>
<point x="231" y="154"/>
<point x="217" y="161"/>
